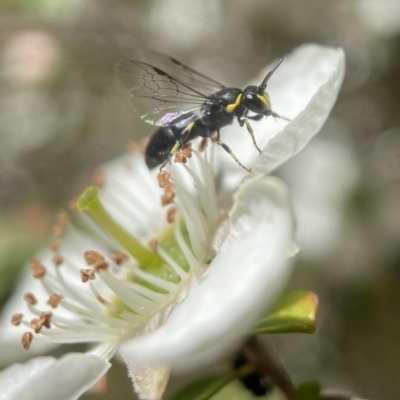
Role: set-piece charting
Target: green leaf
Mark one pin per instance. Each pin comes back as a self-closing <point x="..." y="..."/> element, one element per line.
<point x="308" y="391"/>
<point x="293" y="312"/>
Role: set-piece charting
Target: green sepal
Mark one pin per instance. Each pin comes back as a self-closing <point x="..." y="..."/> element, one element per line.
<point x="310" y="390"/>
<point x="293" y="312"/>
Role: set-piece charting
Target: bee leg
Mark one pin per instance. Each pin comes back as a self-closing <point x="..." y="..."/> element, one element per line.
<point x="176" y="147"/>
<point x="276" y="115"/>
<point x="250" y="130"/>
<point x="230" y="152"/>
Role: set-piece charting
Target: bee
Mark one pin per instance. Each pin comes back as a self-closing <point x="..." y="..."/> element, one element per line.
<point x="186" y="104"/>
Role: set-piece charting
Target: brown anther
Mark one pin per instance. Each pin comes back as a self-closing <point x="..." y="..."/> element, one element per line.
<point x="171" y="214"/>
<point x="119" y="257"/>
<point x="153" y="244"/>
<point x="100" y="266"/>
<point x="73" y="204"/>
<point x="87" y="274"/>
<point x="163" y="178"/>
<point x="55" y="246"/>
<point x="57" y="259"/>
<point x="214" y="137"/>
<point x="62" y="218"/>
<point x="54" y="300"/>
<point x="203" y="144"/>
<point x="45" y="319"/>
<point x="38" y="269"/>
<point x="36" y="325"/>
<point x="58" y="231"/>
<point x="168" y="196"/>
<point x="143" y="145"/>
<point x="92" y="257"/>
<point x="180" y="158"/>
<point x="187" y="150"/>
<point x="100" y="179"/>
<point x="132" y="147"/>
<point x="16" y="319"/>
<point x="26" y="340"/>
<point x="30" y="298"/>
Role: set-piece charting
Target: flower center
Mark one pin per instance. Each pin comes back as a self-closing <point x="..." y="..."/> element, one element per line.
<point x="122" y="294"/>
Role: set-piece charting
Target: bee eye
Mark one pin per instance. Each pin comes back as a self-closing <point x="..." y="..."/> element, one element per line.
<point x="249" y="96"/>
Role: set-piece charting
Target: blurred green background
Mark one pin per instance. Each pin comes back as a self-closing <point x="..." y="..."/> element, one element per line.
<point x="62" y="113"/>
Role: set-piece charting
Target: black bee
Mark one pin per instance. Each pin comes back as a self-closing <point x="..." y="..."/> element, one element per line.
<point x="186" y="104"/>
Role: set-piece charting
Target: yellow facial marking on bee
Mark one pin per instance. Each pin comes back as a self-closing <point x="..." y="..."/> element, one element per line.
<point x="231" y="107"/>
<point x="265" y="99"/>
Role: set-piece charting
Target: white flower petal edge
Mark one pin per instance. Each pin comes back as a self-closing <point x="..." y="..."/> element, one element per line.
<point x="321" y="74"/>
<point x="237" y="287"/>
<point x="47" y="378"/>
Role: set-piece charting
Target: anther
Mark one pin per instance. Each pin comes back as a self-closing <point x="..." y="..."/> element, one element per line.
<point x="203" y="145"/>
<point x="187" y="150"/>
<point x="87" y="274"/>
<point x="100" y="179"/>
<point x="54" y="300"/>
<point x="92" y="257"/>
<point x="180" y="158"/>
<point x="163" y="178"/>
<point x="171" y="215"/>
<point x="119" y="257"/>
<point x="58" y="231"/>
<point x="38" y="269"/>
<point x="26" y="340"/>
<point x="168" y="196"/>
<point x="55" y="246"/>
<point x="16" y="319"/>
<point x="45" y="319"/>
<point x="57" y="259"/>
<point x="36" y="325"/>
<point x="153" y="244"/>
<point x="73" y="204"/>
<point x="30" y="298"/>
<point x="101" y="266"/>
<point x="62" y="218"/>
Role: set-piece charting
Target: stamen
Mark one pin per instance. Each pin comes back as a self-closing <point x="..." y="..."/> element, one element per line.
<point x="87" y="274"/>
<point x="26" y="340"/>
<point x="57" y="259"/>
<point x="30" y="298"/>
<point x="16" y="319"/>
<point x="171" y="215"/>
<point x="163" y="178"/>
<point x="119" y="257"/>
<point x="38" y="269"/>
<point x="54" y="300"/>
<point x="92" y="257"/>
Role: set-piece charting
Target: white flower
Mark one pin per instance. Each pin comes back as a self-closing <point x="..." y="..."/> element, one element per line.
<point x="211" y="273"/>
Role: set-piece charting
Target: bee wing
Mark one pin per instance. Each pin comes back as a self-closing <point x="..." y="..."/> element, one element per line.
<point x="160" y="97"/>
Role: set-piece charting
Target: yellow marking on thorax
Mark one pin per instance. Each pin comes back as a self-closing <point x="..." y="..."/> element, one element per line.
<point x="265" y="99"/>
<point x="231" y="107"/>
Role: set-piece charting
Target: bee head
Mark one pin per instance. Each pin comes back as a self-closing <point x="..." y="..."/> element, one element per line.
<point x="256" y="99"/>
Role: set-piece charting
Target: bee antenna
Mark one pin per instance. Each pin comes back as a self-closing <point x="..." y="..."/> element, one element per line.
<point x="270" y="73"/>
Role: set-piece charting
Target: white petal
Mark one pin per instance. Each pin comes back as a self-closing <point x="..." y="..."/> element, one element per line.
<point x="247" y="274"/>
<point x="46" y="378"/>
<point x="319" y="76"/>
<point x="132" y="196"/>
<point x="149" y="381"/>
